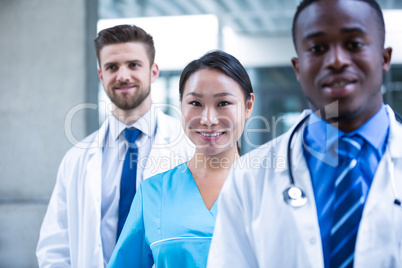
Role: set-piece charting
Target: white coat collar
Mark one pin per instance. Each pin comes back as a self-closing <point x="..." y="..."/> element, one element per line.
<point x="395" y="130"/>
<point x="99" y="141"/>
<point x="380" y="222"/>
<point x="166" y="139"/>
<point x="381" y="185"/>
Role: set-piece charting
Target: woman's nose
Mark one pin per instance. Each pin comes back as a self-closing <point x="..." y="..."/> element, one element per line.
<point x="209" y="117"/>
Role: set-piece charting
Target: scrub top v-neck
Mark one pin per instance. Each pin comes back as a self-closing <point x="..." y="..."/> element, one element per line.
<point x="168" y="225"/>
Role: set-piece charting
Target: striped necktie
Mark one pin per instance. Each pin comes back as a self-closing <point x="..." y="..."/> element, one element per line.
<point x="348" y="204"/>
<point x="128" y="178"/>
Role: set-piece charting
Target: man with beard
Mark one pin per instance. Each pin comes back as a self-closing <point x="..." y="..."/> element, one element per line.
<point x="98" y="177"/>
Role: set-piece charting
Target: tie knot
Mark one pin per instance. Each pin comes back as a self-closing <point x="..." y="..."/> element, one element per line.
<point x="350" y="146"/>
<point x="131" y="135"/>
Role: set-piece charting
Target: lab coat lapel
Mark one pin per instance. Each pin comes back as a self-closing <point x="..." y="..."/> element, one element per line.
<point x="159" y="158"/>
<point x="305" y="217"/>
<point x="93" y="177"/>
<point x="381" y="185"/>
<point x="90" y="216"/>
<point x="379" y="229"/>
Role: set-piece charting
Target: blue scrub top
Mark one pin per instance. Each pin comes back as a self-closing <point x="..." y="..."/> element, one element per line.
<point x="168" y="224"/>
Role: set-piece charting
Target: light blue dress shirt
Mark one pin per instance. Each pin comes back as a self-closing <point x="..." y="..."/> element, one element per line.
<point x="168" y="224"/>
<point x="319" y="137"/>
<point x="113" y="156"/>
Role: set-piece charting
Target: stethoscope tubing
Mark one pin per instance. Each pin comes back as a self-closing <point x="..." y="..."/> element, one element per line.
<point x="289" y="153"/>
<point x="295" y="197"/>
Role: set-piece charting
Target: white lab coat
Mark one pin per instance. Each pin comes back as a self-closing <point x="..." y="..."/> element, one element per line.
<point x="70" y="235"/>
<point x="256" y="228"/>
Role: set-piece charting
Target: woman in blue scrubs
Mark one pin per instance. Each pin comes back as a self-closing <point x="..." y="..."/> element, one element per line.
<point x="173" y="214"/>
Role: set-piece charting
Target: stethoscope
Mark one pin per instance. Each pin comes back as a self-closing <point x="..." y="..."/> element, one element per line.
<point x="295" y="197"/>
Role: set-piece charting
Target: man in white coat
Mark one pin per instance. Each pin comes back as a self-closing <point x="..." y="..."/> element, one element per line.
<point x="330" y="213"/>
<point x="80" y="225"/>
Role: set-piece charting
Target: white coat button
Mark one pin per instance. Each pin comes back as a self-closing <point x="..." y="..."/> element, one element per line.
<point x="312" y="240"/>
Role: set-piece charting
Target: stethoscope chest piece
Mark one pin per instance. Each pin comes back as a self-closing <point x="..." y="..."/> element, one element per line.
<point x="294" y="197"/>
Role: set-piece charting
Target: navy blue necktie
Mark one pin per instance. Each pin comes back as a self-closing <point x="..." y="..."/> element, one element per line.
<point x="348" y="204"/>
<point x="128" y="178"/>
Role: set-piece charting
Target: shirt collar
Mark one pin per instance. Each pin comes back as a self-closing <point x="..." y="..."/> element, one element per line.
<point x="320" y="135"/>
<point x="375" y="130"/>
<point x="145" y="124"/>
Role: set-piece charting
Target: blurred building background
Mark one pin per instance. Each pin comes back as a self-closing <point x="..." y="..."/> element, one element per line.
<point x="50" y="94"/>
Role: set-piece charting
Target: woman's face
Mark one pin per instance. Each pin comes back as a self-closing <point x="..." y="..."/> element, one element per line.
<point x="214" y="110"/>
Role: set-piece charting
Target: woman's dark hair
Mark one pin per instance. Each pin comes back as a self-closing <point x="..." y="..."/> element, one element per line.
<point x="221" y="61"/>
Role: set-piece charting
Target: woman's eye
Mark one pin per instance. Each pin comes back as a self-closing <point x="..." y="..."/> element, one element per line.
<point x="195" y="103"/>
<point x="223" y="103"/>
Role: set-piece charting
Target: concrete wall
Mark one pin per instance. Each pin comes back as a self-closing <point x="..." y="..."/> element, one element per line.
<point x="47" y="67"/>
